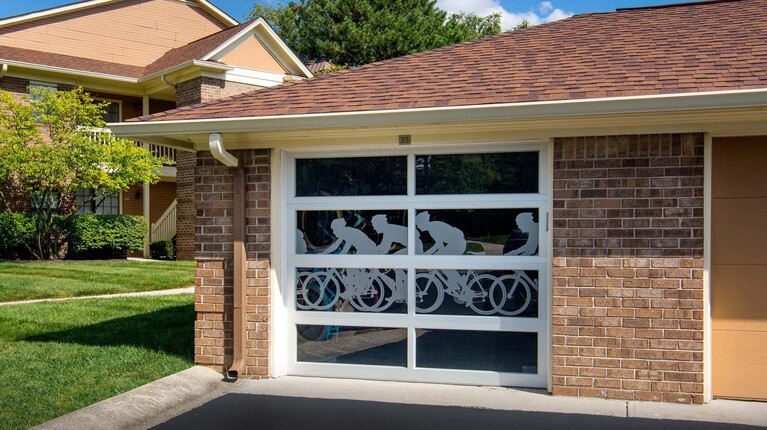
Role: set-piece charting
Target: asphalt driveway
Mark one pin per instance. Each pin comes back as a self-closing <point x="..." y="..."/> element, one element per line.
<point x="265" y="412"/>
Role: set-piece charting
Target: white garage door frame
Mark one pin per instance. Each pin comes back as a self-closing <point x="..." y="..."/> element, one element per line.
<point x="290" y="205"/>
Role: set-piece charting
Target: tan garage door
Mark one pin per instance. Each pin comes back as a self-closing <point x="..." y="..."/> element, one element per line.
<point x="739" y="268"/>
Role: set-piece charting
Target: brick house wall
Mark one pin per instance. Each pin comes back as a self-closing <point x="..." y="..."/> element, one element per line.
<point x="628" y="267"/>
<point x="213" y="197"/>
<point x="193" y="91"/>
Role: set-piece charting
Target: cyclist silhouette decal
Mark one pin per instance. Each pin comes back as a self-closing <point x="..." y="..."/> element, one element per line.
<point x="527" y="225"/>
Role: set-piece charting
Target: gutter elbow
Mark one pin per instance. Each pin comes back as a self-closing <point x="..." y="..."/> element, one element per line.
<point x="216" y="145"/>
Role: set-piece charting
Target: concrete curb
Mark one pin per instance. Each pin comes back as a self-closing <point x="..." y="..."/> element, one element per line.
<point x="187" y="290"/>
<point x="148" y="405"/>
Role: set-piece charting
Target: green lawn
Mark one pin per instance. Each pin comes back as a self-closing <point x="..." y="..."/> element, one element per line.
<point x="57" y="357"/>
<point x="43" y="280"/>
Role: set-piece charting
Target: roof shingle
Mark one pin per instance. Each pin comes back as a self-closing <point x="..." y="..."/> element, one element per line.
<point x="719" y="45"/>
<point x="69" y="62"/>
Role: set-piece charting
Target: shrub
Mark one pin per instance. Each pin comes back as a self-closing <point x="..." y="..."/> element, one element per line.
<point x="162" y="250"/>
<point x="15" y="229"/>
<point x="105" y="236"/>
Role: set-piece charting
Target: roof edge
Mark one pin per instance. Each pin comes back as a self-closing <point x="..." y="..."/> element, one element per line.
<point x="68" y="71"/>
<point x="517" y="111"/>
<point x="286" y="54"/>
<point x="669" y="5"/>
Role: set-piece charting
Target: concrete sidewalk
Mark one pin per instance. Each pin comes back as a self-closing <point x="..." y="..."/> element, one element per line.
<point x="187" y="290"/>
<point x="198" y="396"/>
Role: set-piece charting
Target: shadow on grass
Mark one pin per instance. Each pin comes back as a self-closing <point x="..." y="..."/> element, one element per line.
<point x="169" y="331"/>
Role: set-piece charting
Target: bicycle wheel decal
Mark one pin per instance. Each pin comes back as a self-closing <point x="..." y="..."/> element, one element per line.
<point x="470" y="292"/>
<point x="351" y="290"/>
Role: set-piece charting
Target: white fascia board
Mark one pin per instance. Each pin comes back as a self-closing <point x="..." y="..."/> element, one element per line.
<point x="67" y="71"/>
<point x="287" y="52"/>
<point x="240" y="36"/>
<point x="508" y="111"/>
<point x="256" y="77"/>
<point x="250" y="31"/>
<point x="220" y="14"/>
<point x="204" y="65"/>
<point x="53" y="12"/>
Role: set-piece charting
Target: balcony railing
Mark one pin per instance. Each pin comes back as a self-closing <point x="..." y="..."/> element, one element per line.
<point x="98" y="135"/>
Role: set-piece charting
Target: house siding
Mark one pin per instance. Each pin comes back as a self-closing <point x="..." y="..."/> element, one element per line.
<point x="628" y="267"/>
<point x="134" y="32"/>
<point x="213" y="195"/>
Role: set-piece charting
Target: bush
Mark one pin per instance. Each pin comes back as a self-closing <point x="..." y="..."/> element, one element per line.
<point x="162" y="250"/>
<point x="105" y="236"/>
<point x="15" y="229"/>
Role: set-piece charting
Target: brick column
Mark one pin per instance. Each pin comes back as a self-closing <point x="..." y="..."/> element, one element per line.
<point x="194" y="91"/>
<point x="214" y="279"/>
<point x="628" y="258"/>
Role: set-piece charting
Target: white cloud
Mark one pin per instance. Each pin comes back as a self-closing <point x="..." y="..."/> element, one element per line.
<point x="544" y="13"/>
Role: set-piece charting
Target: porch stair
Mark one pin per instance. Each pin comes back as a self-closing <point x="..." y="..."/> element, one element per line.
<point x="165" y="227"/>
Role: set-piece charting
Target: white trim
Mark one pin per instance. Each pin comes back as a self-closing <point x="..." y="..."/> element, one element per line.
<point x="67" y="71"/>
<point x="32" y="16"/>
<point x="278" y="315"/>
<point x="221" y="15"/>
<point x="256" y="77"/>
<point x="502" y="111"/>
<point x="707" y="229"/>
<point x="249" y="31"/>
<point x="208" y="65"/>
<point x="549" y="228"/>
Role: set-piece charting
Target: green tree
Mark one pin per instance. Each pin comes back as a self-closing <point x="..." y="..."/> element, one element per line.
<point x="355" y="32"/>
<point x="49" y="151"/>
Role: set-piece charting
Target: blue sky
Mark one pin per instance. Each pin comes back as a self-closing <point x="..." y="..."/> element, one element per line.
<point x="513" y="11"/>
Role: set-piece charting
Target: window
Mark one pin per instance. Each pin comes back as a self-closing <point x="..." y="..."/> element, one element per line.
<point x="90" y="201"/>
<point x="112" y="111"/>
<point x="36" y="89"/>
<point x="52" y="201"/>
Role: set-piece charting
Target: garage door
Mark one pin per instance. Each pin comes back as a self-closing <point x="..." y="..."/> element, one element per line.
<point x="419" y="265"/>
<point x="739" y="268"/>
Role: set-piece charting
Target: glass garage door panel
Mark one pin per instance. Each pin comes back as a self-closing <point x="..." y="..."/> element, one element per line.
<point x="356" y="176"/>
<point x="510" y="232"/>
<point x="362" y="232"/>
<point x="351" y="290"/>
<point x="511" y="352"/>
<point x="477" y="292"/>
<point x="351" y="345"/>
<point x="480" y="173"/>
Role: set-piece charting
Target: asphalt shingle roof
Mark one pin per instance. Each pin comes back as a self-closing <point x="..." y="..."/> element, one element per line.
<point x="695" y="47"/>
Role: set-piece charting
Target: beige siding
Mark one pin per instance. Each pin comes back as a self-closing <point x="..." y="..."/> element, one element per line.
<point x="133" y="32"/>
<point x="161" y="195"/>
<point x="253" y="55"/>
<point x="739" y="267"/>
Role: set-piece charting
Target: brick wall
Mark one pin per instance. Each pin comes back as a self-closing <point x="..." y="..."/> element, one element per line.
<point x="193" y="91"/>
<point x="214" y="279"/>
<point x="628" y="258"/>
<point x="203" y="89"/>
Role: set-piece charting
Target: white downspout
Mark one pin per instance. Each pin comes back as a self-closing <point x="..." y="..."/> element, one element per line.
<point x="3" y="70"/>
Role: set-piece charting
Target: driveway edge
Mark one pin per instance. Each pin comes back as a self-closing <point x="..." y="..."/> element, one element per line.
<point x="148" y="405"/>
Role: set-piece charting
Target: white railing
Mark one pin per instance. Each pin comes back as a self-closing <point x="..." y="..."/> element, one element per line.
<point x="99" y="135"/>
<point x="165" y="227"/>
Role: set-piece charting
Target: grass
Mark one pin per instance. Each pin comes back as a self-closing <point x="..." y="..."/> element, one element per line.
<point x="58" y="357"/>
<point x="44" y="280"/>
